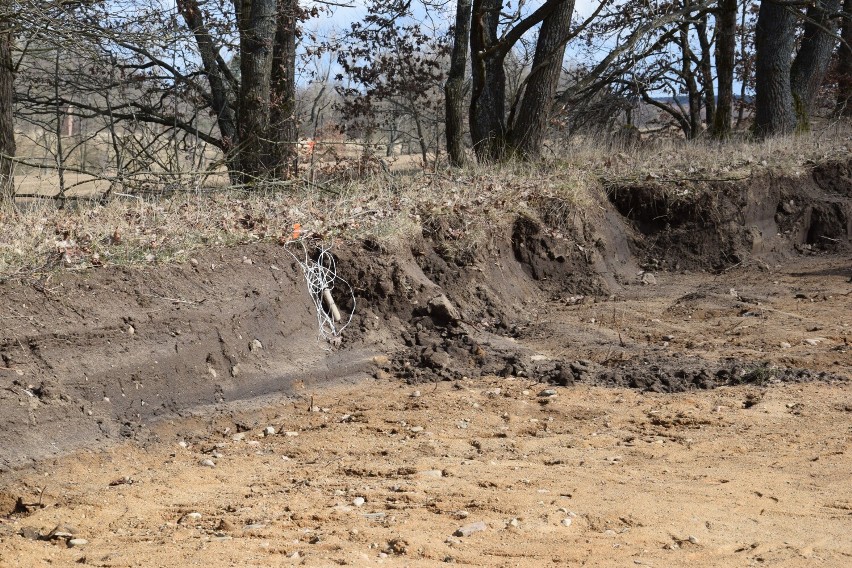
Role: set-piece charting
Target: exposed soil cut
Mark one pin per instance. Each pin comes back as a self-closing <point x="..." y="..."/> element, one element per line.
<point x="647" y="291"/>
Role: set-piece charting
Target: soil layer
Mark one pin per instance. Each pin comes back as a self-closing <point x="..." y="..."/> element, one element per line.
<point x="662" y="377"/>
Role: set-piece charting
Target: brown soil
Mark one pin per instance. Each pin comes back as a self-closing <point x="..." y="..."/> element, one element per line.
<point x="697" y="344"/>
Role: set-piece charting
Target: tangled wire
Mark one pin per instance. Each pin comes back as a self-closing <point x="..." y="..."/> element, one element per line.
<point x="321" y="276"/>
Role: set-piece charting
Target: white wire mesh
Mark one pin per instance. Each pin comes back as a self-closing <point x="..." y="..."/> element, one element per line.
<point x="321" y="275"/>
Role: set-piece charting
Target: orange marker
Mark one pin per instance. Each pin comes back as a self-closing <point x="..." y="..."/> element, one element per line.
<point x="297" y="230"/>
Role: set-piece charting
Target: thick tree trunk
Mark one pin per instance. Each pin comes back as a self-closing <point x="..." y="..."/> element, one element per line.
<point x="775" y="37"/>
<point x="530" y="126"/>
<point x="284" y="136"/>
<point x="726" y="28"/>
<point x="844" y="63"/>
<point x="811" y="65"/>
<point x="257" y="35"/>
<point x="488" y="93"/>
<point x="454" y="87"/>
<point x="7" y="127"/>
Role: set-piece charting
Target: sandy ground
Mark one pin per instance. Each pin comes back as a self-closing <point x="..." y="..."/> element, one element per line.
<point x="378" y="472"/>
<point x="384" y="473"/>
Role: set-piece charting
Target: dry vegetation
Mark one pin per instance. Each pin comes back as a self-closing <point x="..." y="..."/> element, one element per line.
<point x="381" y="204"/>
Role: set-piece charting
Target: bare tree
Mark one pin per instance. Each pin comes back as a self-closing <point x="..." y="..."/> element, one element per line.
<point x="775" y="38"/>
<point x="844" y="62"/>
<point x="454" y="89"/>
<point x="726" y="38"/>
<point x="7" y="129"/>
<point x="813" y="59"/>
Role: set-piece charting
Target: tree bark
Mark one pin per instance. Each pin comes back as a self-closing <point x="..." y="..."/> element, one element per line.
<point x="844" y="63"/>
<point x="284" y="135"/>
<point x="220" y="91"/>
<point x="706" y="68"/>
<point x="775" y="37"/>
<point x="530" y="127"/>
<point x="257" y="35"/>
<point x="726" y="28"/>
<point x="7" y="93"/>
<point x="488" y="93"/>
<point x="688" y="76"/>
<point x="811" y="65"/>
<point x="454" y="87"/>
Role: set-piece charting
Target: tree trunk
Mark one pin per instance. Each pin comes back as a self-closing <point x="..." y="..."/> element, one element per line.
<point x="814" y="57"/>
<point x="844" y="63"/>
<point x="688" y="75"/>
<point x="488" y="96"/>
<point x="284" y="136"/>
<point x="220" y="91"/>
<point x="257" y="35"/>
<point x="530" y="127"/>
<point x="706" y="68"/>
<point x="775" y="37"/>
<point x="726" y="28"/>
<point x="454" y="87"/>
<point x="7" y="126"/>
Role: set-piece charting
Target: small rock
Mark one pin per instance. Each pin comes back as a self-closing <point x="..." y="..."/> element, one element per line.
<point x="442" y="310"/>
<point x="183" y="444"/>
<point x="434" y="473"/>
<point x="470" y="529"/>
<point x="566" y="522"/>
<point x="62" y="531"/>
<point x="813" y="341"/>
<point x="784" y="345"/>
<point x="693" y="539"/>
<point x="416" y="429"/>
<point x="668" y="338"/>
<point x="131" y="330"/>
<point x="193" y="261"/>
<point x="189" y="517"/>
<point x="30" y="533"/>
<point x="207" y="463"/>
<point x="514" y="523"/>
<point x="235" y="371"/>
<point x="77" y="542"/>
<point x="150" y="257"/>
<point x="269" y="431"/>
<point x="359" y="501"/>
<point x="415" y="394"/>
<point x="255" y="345"/>
<point x="547" y="393"/>
<point x="648" y="279"/>
<point x="239" y="437"/>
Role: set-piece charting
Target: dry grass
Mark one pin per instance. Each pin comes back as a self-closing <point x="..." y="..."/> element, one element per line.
<point x="386" y="207"/>
<point x="38" y="236"/>
<point x="705" y="159"/>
